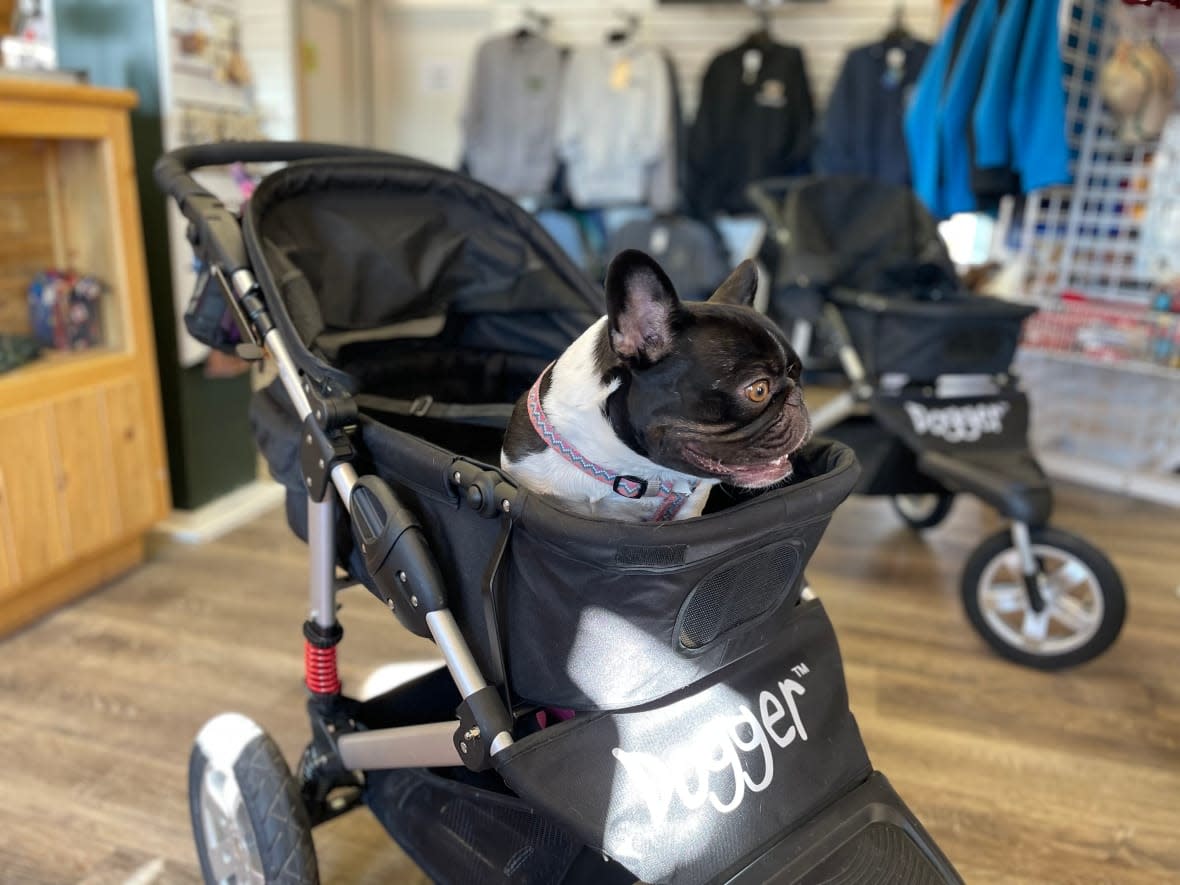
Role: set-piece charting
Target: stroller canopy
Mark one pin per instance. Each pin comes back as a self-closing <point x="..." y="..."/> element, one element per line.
<point x="856" y="233"/>
<point x="355" y="253"/>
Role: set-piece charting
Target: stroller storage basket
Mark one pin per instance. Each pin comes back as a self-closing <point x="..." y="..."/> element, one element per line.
<point x="963" y="335"/>
<point x="675" y="600"/>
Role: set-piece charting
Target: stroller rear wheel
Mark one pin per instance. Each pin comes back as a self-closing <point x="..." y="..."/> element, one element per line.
<point x="1079" y="612"/>
<point x="248" y="819"/>
<point x="923" y="511"/>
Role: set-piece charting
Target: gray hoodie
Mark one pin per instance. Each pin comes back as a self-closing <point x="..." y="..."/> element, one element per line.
<point x="615" y="128"/>
<point x="510" y="123"/>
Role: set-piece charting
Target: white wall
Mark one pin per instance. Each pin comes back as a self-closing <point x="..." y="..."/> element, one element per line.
<point x="422" y="49"/>
<point x="268" y="43"/>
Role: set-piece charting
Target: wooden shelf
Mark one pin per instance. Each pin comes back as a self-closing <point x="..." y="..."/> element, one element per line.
<point x="83" y="474"/>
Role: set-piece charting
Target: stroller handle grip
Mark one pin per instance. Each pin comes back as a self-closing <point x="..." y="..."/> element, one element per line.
<point x="213" y="225"/>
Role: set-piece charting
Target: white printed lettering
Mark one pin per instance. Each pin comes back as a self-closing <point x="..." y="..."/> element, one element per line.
<point x="957" y="424"/>
<point x="700" y="769"/>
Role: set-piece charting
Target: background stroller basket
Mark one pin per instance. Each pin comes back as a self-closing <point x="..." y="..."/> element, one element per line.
<point x="738" y="690"/>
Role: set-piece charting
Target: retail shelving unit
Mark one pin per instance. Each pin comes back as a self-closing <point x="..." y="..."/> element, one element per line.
<point x="82" y="466"/>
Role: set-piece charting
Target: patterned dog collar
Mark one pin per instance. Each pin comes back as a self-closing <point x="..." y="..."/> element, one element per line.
<point x="632" y="487"/>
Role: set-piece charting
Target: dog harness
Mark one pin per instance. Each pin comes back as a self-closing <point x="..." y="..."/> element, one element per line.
<point x="632" y="487"/>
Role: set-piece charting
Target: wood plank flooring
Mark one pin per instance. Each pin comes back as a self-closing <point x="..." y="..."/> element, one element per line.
<point x="1022" y="777"/>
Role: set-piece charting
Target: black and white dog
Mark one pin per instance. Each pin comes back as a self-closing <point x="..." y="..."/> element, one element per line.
<point x="659" y="401"/>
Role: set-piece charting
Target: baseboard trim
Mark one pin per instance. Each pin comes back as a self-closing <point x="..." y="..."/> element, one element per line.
<point x="211" y="521"/>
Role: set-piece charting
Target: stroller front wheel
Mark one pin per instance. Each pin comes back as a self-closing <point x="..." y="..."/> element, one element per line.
<point x="1081" y="605"/>
<point x="923" y="511"/>
<point x="249" y="823"/>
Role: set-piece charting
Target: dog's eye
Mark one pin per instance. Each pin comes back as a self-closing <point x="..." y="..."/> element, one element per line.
<point x="758" y="391"/>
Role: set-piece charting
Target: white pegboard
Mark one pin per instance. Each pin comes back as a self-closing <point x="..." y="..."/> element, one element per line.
<point x="1089" y="237"/>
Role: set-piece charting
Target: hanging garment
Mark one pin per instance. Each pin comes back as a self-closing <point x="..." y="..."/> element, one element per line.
<point x="992" y="84"/>
<point x="510" y="123"/>
<point x="994" y="169"/>
<point x="921" y="124"/>
<point x="958" y="101"/>
<point x="862" y="132"/>
<point x="614" y="125"/>
<point x="1036" y="122"/>
<point x="754" y="121"/>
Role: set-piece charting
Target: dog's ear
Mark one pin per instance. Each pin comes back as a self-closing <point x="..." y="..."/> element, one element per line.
<point x="739" y="287"/>
<point x="641" y="308"/>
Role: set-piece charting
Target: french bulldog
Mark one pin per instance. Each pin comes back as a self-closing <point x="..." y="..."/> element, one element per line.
<point x="659" y="401"/>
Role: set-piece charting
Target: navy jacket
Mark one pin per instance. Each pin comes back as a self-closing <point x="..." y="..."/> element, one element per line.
<point x="862" y="132"/>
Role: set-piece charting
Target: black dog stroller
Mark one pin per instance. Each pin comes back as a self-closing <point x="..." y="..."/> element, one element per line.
<point x="405" y="307"/>
<point x="932" y="408"/>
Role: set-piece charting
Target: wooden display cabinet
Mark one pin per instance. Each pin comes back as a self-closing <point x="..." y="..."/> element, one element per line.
<point x="83" y="474"/>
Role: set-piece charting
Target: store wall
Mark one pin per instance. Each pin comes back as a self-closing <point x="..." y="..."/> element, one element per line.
<point x="210" y="446"/>
<point x="422" y="49"/>
<point x="268" y="42"/>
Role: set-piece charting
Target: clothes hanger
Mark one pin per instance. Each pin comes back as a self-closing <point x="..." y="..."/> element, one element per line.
<point x="760" y="37"/>
<point x="627" y="31"/>
<point x="534" y="24"/>
<point x="898" y="33"/>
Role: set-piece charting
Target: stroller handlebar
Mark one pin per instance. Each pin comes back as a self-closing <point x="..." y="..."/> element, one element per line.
<point x="213" y="225"/>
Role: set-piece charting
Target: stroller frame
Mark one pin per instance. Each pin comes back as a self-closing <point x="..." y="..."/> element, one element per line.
<point x="853" y="821"/>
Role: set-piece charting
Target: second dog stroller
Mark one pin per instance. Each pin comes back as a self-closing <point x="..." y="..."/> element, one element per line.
<point x="932" y="408"/>
<point x="404" y="306"/>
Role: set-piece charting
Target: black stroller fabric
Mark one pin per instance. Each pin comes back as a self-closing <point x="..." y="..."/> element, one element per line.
<point x="874" y="250"/>
<point x="703" y="780"/>
<point x="367" y="252"/>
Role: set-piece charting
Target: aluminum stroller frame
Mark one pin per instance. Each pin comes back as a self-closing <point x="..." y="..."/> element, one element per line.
<point x="1036" y="594"/>
<point x="461" y="771"/>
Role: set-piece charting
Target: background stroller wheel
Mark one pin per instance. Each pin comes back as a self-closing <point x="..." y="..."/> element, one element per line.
<point x="1084" y="609"/>
<point x="248" y="818"/>
<point x="923" y="511"/>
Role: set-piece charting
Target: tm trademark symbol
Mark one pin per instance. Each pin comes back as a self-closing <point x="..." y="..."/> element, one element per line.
<point x="800" y="670"/>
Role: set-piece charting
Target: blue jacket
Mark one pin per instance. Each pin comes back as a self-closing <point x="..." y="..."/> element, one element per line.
<point x="1036" y="123"/>
<point x="958" y="98"/>
<point x="923" y="117"/>
<point x="996" y="93"/>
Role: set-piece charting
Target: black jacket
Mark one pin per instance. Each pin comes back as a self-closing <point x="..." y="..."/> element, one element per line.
<point x="753" y="121"/>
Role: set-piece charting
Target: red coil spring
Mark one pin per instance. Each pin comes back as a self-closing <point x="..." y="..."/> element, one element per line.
<point x="319" y="669"/>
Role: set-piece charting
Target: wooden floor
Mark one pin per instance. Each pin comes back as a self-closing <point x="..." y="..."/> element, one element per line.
<point x="1022" y="777"/>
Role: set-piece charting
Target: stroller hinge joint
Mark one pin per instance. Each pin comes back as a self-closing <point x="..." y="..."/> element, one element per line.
<point x="321" y="452"/>
<point x="484" y="490"/>
<point x="483" y="718"/>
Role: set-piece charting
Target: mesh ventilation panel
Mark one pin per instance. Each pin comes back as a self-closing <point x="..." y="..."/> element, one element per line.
<point x="737" y="593"/>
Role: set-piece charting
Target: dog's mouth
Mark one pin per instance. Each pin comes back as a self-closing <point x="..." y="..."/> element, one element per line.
<point x="755" y="456"/>
<point x="751" y="477"/>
